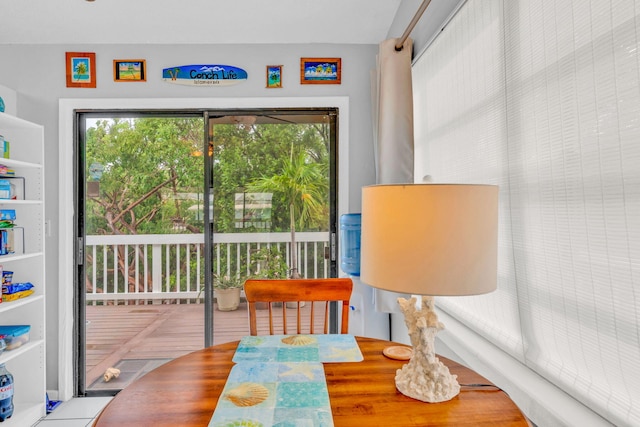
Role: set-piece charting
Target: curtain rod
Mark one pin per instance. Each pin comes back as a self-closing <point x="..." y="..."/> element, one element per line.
<point x="412" y="24"/>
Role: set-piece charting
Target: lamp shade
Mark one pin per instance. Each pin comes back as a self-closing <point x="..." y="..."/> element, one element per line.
<point x="430" y="239"/>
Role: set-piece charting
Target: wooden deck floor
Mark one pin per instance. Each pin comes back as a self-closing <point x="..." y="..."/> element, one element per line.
<point x="159" y="332"/>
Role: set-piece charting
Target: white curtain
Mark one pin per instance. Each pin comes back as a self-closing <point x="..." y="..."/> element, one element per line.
<point x="542" y="97"/>
<point x="393" y="129"/>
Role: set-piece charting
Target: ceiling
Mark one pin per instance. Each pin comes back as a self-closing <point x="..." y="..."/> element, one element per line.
<point x="196" y="21"/>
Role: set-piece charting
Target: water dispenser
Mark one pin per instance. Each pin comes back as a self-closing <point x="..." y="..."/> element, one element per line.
<point x="364" y="320"/>
<point x="350" y="243"/>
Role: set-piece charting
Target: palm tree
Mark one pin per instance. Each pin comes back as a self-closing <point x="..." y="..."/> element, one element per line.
<point x="304" y="185"/>
<point x="81" y="68"/>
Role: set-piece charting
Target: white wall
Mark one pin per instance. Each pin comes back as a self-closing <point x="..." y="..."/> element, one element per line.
<point x="37" y="73"/>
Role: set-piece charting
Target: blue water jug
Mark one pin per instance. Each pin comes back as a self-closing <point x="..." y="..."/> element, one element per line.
<point x="6" y="393"/>
<point x="350" y="243"/>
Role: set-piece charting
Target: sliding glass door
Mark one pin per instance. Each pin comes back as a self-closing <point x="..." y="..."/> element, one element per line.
<point x="140" y="244"/>
<point x="272" y="183"/>
<point x="172" y="208"/>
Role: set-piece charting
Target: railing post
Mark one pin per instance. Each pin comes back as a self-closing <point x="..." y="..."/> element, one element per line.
<point x="156" y="271"/>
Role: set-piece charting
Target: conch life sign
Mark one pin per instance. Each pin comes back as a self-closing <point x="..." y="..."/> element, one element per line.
<point x="204" y="75"/>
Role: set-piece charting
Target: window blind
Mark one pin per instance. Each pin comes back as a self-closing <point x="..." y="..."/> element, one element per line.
<point x="542" y="97"/>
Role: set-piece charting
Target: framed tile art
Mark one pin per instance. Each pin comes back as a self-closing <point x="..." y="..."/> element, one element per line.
<point x="129" y="70"/>
<point x="274" y="76"/>
<point x="320" y="70"/>
<point x="81" y="69"/>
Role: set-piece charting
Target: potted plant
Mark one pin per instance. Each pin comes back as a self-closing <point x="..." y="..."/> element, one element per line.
<point x="268" y="263"/>
<point x="227" y="291"/>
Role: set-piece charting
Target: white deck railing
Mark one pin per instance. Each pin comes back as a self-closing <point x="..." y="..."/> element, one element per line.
<point x="171" y="266"/>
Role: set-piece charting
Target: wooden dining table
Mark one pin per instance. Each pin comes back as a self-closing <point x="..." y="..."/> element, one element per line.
<point x="185" y="392"/>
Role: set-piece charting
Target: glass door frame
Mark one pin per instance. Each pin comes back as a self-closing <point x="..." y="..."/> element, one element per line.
<point x="61" y="351"/>
<point x="333" y="116"/>
<point x="79" y="176"/>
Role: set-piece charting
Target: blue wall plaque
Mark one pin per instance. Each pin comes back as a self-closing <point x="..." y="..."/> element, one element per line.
<point x="204" y="75"/>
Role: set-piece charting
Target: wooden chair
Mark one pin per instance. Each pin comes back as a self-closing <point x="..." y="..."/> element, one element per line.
<point x="314" y="291"/>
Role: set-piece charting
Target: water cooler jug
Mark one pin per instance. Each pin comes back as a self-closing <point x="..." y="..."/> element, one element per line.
<point x="364" y="320"/>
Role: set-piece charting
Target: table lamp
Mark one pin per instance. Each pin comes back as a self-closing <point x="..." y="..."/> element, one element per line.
<point x="429" y="240"/>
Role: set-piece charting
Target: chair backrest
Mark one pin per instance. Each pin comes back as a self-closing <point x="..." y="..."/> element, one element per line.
<point x="297" y="292"/>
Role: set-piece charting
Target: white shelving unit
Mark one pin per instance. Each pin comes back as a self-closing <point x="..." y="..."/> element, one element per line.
<point x="27" y="363"/>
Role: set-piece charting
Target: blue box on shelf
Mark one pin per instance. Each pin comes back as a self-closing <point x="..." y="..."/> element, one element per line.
<point x="8" y="214"/>
<point x="5" y="189"/>
<point x="15" y="335"/>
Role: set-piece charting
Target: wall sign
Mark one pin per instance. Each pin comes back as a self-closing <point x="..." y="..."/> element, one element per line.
<point x="204" y="75"/>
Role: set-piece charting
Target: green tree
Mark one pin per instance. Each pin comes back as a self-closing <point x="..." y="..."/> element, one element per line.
<point x="304" y="186"/>
<point x="153" y="173"/>
<point x="81" y="68"/>
<point x="148" y="165"/>
<point x="243" y="154"/>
